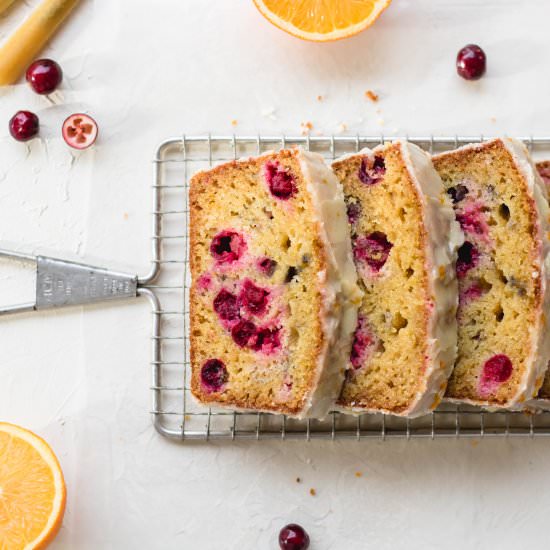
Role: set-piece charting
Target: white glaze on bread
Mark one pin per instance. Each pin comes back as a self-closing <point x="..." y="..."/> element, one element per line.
<point x="342" y="295"/>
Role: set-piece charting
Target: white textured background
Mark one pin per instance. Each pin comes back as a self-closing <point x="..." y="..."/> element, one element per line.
<point x="148" y="70"/>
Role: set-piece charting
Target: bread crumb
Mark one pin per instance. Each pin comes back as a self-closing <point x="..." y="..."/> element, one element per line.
<point x="298" y="480"/>
<point x="493" y="119"/>
<point x="306" y="128"/>
<point x="320" y="98"/>
<point x="369" y="94"/>
<point x="358" y="474"/>
<point x="342" y="127"/>
<point x="312" y="492"/>
<point x="234" y="122"/>
<point x="125" y="215"/>
<point x="474" y="443"/>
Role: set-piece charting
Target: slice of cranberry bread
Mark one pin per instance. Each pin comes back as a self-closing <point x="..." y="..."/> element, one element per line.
<point x="404" y="241"/>
<point x="499" y="201"/>
<point x="274" y="295"/>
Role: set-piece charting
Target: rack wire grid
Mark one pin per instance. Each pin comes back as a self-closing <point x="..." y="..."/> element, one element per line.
<point x="175" y="413"/>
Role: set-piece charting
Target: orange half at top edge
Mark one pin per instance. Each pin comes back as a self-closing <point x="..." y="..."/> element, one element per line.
<point x="322" y="20"/>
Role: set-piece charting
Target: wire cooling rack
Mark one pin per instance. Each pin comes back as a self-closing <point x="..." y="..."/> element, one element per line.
<point x="174" y="411"/>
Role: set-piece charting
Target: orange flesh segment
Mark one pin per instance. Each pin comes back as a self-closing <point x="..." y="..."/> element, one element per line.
<point x="29" y="491"/>
<point x="314" y="19"/>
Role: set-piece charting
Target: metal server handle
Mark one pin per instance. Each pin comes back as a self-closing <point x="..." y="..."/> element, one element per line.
<point x="61" y="283"/>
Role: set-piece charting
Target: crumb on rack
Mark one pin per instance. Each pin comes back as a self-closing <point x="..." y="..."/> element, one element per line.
<point x="358" y="474"/>
<point x="306" y="127"/>
<point x="298" y="480"/>
<point x="312" y="492"/>
<point x="320" y="98"/>
<point x="125" y="215"/>
<point x="369" y="94"/>
<point x="234" y="122"/>
<point x="474" y="442"/>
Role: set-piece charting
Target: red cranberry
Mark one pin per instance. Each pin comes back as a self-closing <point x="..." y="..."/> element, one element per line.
<point x="473" y="292"/>
<point x="496" y="371"/>
<point x="214" y="374"/>
<point x="498" y="368"/>
<point x="253" y="298"/>
<point x="44" y="75"/>
<point x="227" y="247"/>
<point x="471" y="62"/>
<point x="468" y="258"/>
<point x="373" y="249"/>
<point x="267" y="340"/>
<point x="24" y="125"/>
<point x="243" y="332"/>
<point x="371" y="170"/>
<point x="267" y="266"/>
<point x="363" y="340"/>
<point x="280" y="181"/>
<point x="226" y="305"/>
<point x="79" y="131"/>
<point x="472" y="221"/>
<point x="353" y="211"/>
<point x="293" y="537"/>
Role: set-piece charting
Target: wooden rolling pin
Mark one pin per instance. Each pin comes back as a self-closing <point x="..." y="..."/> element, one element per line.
<point x="27" y="41"/>
<point x="5" y="4"/>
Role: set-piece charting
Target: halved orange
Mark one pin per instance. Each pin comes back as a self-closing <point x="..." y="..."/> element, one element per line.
<point x="32" y="490"/>
<point x="322" y="20"/>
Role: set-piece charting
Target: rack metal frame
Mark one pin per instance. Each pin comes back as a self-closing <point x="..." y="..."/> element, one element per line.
<point x="175" y="413"/>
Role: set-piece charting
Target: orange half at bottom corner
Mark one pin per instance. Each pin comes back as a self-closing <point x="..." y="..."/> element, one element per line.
<point x="32" y="490"/>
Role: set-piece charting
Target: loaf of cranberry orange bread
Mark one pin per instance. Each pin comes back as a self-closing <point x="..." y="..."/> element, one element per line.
<point x="274" y="291"/>
<point x="503" y="344"/>
<point x="404" y="240"/>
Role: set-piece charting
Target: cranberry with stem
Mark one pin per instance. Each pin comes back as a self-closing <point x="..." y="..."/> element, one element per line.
<point x="44" y="76"/>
